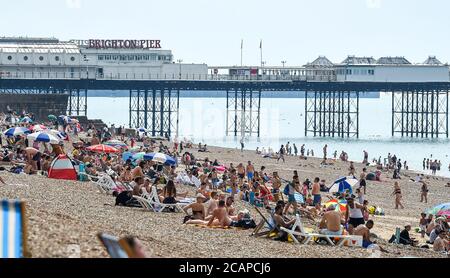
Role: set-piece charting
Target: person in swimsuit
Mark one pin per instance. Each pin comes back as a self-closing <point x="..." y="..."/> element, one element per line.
<point x="276" y="184"/>
<point x="250" y="169"/>
<point x="241" y="172"/>
<point x="219" y="217"/>
<point x="424" y="192"/>
<point x="198" y="208"/>
<point x="398" y="195"/>
<point x="354" y="215"/>
<point x="212" y="203"/>
<point x="362" y="180"/>
<point x="316" y="192"/>
<point x="331" y="223"/>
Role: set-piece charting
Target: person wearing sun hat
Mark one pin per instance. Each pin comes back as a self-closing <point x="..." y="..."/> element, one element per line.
<point x="197" y="208"/>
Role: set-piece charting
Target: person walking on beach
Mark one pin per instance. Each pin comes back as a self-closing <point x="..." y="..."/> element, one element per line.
<point x="424" y="192"/>
<point x="424" y="164"/>
<point x="287" y="148"/>
<point x="428" y="163"/>
<point x="281" y="154"/>
<point x="362" y="180"/>
<point x="398" y="195"/>
<point x="351" y="169"/>
<point x="295" y="150"/>
<point x="325" y="152"/>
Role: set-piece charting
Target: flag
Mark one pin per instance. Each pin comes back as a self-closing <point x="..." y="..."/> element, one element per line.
<point x="260" y="44"/>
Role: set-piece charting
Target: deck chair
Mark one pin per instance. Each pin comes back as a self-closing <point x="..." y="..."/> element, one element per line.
<point x="267" y="224"/>
<point x="157" y="206"/>
<point x="104" y="183"/>
<point x="342" y="239"/>
<point x="13" y="232"/>
<point x="115" y="247"/>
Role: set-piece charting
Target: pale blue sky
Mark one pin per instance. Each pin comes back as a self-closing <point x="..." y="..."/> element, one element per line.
<point x="210" y="31"/>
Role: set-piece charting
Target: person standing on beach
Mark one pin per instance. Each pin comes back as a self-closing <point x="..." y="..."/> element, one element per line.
<point x="281" y="154"/>
<point x="241" y="172"/>
<point x="366" y="157"/>
<point x="316" y="192"/>
<point x="302" y="153"/>
<point x="351" y="169"/>
<point x="398" y="195"/>
<point x="287" y="148"/>
<point x="424" y="192"/>
<point x="428" y="163"/>
<point x="242" y="144"/>
<point x="362" y="180"/>
<point x="293" y="187"/>
<point x="424" y="164"/>
<point x="295" y="150"/>
<point x="250" y="169"/>
<point x="325" y="152"/>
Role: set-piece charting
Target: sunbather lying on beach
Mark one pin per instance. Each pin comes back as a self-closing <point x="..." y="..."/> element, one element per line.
<point x="219" y="217"/>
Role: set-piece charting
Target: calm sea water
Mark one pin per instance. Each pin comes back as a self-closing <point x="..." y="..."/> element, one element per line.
<point x="282" y="120"/>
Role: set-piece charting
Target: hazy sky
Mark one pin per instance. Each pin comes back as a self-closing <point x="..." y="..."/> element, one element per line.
<point x="211" y="31"/>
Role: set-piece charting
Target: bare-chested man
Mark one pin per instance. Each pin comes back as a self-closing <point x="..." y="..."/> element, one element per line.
<point x="212" y="203"/>
<point x="364" y="231"/>
<point x="250" y="169"/>
<point x="33" y="157"/>
<point x="241" y="172"/>
<point x="331" y="223"/>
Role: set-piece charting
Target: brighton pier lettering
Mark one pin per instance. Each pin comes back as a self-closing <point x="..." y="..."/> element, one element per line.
<point x="131" y="44"/>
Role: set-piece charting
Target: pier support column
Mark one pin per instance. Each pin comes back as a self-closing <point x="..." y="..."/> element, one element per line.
<point x="332" y="113"/>
<point x="77" y="104"/>
<point x="153" y="110"/>
<point x="420" y="113"/>
<point x="243" y="112"/>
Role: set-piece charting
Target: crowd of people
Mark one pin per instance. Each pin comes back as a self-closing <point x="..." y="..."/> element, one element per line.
<point x="216" y="185"/>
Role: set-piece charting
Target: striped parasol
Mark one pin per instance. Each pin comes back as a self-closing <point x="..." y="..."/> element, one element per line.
<point x="14" y="131"/>
<point x="161" y="158"/>
<point x="44" y="137"/>
<point x="101" y="148"/>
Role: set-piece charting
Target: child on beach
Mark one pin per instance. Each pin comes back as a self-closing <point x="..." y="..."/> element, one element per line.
<point x="423" y="222"/>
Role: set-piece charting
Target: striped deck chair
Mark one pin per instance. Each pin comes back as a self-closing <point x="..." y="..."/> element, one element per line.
<point x="13" y="232"/>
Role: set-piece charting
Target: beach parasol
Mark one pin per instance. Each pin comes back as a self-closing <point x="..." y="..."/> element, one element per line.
<point x="101" y="148"/>
<point x="52" y="117"/>
<point x="343" y="184"/>
<point x="116" y="144"/>
<point x="161" y="158"/>
<point x="141" y="129"/>
<point x="36" y="128"/>
<point x="43" y="137"/>
<point x="340" y="205"/>
<point x="66" y="119"/>
<point x="57" y="133"/>
<point x="138" y="156"/>
<point x="26" y="120"/>
<point x="440" y="210"/>
<point x="14" y="131"/>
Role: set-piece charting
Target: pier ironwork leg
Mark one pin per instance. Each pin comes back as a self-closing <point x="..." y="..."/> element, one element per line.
<point x="243" y="112"/>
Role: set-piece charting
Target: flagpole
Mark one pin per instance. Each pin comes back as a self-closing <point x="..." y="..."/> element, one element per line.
<point x="242" y="46"/>
<point x="260" y="48"/>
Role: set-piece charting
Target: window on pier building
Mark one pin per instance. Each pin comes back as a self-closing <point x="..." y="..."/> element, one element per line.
<point x="348" y="72"/>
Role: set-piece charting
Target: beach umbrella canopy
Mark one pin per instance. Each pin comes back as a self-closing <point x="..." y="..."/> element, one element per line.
<point x="116" y="144"/>
<point x="343" y="184"/>
<point x="44" y="137"/>
<point x="52" y="117"/>
<point x="440" y="210"/>
<point x="141" y="129"/>
<point x="26" y="120"/>
<point x="57" y="133"/>
<point x="161" y="158"/>
<point x="138" y="156"/>
<point x="14" y="131"/>
<point x="127" y="155"/>
<point x="101" y="148"/>
<point x="36" y="128"/>
<point x="340" y="205"/>
<point x="65" y="118"/>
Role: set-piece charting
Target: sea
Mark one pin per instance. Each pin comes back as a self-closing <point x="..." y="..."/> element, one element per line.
<point x="203" y="119"/>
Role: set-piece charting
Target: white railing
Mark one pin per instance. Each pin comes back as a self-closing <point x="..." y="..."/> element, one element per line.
<point x="183" y="77"/>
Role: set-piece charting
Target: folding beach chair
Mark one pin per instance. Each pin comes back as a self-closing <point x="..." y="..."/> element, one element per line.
<point x="116" y="248"/>
<point x="13" y="232"/>
<point x="268" y="226"/>
<point x="153" y="203"/>
<point x="351" y="240"/>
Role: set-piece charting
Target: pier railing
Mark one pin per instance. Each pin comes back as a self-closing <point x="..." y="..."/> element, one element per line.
<point x="180" y="77"/>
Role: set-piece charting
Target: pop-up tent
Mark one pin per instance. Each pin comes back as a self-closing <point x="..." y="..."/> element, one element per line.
<point x="62" y="169"/>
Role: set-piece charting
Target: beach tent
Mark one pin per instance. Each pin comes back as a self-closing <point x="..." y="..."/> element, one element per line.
<point x="62" y="169"/>
<point x="343" y="184"/>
